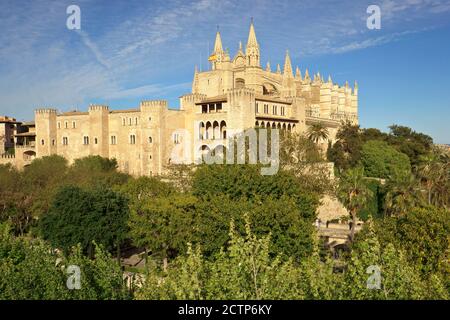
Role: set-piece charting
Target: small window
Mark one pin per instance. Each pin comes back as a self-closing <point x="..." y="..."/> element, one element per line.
<point x="95" y="141"/>
<point x="74" y="125"/>
<point x="113" y="139"/>
<point x="123" y="121"/>
<point x="65" y="141"/>
<point x="150" y="140"/>
<point x="42" y="142"/>
<point x="85" y="140"/>
<point x="53" y="142"/>
<point x="150" y="157"/>
<point x="135" y="121"/>
<point x="132" y="139"/>
<point x="59" y="125"/>
<point x="66" y="125"/>
<point x="149" y="118"/>
<point x="256" y="108"/>
<point x="130" y="121"/>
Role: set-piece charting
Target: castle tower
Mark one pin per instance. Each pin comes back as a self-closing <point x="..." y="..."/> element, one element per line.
<point x="153" y="126"/>
<point x="252" y="50"/>
<point x="46" y="135"/>
<point x="99" y="130"/>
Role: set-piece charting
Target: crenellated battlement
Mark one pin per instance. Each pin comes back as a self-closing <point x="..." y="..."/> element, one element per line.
<point x="98" y="107"/>
<point x="45" y="111"/>
<point x="193" y="98"/>
<point x="8" y="156"/>
<point x="239" y="93"/>
<point x="154" y="104"/>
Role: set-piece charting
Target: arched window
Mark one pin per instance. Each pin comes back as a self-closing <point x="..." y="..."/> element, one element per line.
<point x="201" y="131"/>
<point x="95" y="141"/>
<point x="132" y="139"/>
<point x="209" y="130"/>
<point x="223" y="129"/>
<point x="86" y="140"/>
<point x="216" y="130"/>
<point x="42" y="142"/>
<point x="150" y="140"/>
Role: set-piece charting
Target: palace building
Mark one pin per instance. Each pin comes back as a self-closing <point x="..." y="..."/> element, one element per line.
<point x="236" y="93"/>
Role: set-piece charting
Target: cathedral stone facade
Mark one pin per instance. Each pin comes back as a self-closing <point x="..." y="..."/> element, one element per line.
<point x="235" y="94"/>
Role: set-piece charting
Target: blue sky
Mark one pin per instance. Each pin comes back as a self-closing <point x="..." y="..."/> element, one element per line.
<point x="128" y="51"/>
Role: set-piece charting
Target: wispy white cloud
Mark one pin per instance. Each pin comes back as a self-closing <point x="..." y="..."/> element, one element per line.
<point x="141" y="47"/>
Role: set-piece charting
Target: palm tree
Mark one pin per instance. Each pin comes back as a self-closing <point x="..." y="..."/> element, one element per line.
<point x="403" y="194"/>
<point x="317" y="132"/>
<point x="434" y="171"/>
<point x="353" y="193"/>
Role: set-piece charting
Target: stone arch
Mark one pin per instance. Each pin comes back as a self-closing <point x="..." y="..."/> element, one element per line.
<point x="269" y="89"/>
<point x="219" y="150"/>
<point x="216" y="130"/>
<point x="289" y="127"/>
<point x="223" y="129"/>
<point x="274" y="125"/>
<point x="201" y="131"/>
<point x="279" y="125"/>
<point x="209" y="131"/>
<point x="29" y="155"/>
<point x="284" y="126"/>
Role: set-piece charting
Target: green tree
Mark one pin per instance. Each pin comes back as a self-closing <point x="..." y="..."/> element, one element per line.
<point x="164" y="225"/>
<point x="402" y="194"/>
<point x="382" y="161"/>
<point x="317" y="132"/>
<point x="346" y="152"/>
<point x="95" y="170"/>
<point x="353" y="193"/>
<point x="82" y="216"/>
<point x="410" y="142"/>
<point x="42" y="179"/>
<point x="32" y="270"/>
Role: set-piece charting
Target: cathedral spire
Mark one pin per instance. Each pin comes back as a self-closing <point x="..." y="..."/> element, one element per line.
<point x="278" y="69"/>
<point x="218" y="44"/>
<point x="195" y="82"/>
<point x="298" y="74"/>
<point x="287" y="66"/>
<point x="307" y="77"/>
<point x="252" y="42"/>
<point x="252" y="50"/>
<point x="268" y="69"/>
<point x="329" y="79"/>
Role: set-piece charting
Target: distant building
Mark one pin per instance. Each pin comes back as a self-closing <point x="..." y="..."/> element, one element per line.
<point x="237" y="93"/>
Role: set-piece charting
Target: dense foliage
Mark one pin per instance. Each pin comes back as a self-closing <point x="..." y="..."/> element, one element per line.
<point x="228" y="232"/>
